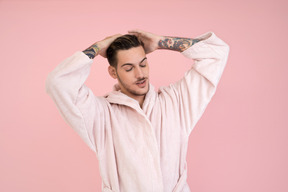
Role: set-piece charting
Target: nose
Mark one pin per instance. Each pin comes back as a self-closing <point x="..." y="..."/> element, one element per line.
<point x="139" y="73"/>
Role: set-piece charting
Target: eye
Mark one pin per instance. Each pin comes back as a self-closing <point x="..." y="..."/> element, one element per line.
<point x="127" y="70"/>
<point x="143" y="64"/>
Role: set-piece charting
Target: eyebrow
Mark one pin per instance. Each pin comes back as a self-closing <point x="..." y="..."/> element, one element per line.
<point x="132" y="64"/>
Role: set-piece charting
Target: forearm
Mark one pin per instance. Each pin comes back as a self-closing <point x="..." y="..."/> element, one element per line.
<point x="92" y="51"/>
<point x="176" y="43"/>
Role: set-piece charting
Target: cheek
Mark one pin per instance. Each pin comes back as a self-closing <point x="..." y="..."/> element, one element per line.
<point x="146" y="71"/>
<point x="126" y="77"/>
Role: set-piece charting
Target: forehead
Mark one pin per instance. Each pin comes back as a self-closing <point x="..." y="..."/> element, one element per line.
<point x="133" y="55"/>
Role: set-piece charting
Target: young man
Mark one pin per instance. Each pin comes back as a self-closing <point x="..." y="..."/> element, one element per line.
<point x="140" y="136"/>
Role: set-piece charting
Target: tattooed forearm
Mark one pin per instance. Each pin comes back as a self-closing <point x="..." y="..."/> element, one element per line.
<point x="176" y="43"/>
<point x="92" y="51"/>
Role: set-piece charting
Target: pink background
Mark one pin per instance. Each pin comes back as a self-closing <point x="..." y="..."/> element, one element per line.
<point x="239" y="144"/>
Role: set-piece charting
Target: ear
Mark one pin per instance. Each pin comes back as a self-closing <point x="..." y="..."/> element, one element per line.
<point x="112" y="72"/>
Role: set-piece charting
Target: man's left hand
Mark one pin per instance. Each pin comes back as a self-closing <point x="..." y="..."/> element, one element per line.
<point x="150" y="40"/>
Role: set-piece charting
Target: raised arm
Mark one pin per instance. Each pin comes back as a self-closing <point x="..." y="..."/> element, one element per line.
<point x="76" y="102"/>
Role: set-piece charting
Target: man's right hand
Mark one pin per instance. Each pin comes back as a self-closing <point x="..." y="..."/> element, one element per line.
<point x="100" y="47"/>
<point x="105" y="43"/>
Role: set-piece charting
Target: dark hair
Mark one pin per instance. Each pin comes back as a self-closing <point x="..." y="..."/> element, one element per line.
<point x="124" y="42"/>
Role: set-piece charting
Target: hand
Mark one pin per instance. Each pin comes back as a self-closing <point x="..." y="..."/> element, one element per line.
<point x="150" y="40"/>
<point x="105" y="43"/>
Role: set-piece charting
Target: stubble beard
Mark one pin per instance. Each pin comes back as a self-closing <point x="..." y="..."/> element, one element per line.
<point x="131" y="91"/>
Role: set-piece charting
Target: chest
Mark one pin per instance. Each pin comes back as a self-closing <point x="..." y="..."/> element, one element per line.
<point x="138" y="131"/>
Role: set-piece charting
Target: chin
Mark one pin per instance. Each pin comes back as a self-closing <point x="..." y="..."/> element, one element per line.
<point x="142" y="91"/>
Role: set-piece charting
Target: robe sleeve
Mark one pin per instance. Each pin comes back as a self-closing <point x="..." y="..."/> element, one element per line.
<point x="195" y="90"/>
<point x="76" y="102"/>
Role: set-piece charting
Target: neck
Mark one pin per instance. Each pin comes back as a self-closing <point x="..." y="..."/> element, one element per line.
<point x="140" y="100"/>
<point x="137" y="97"/>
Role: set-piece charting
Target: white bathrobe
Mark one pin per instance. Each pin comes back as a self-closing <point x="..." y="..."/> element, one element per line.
<point x="140" y="150"/>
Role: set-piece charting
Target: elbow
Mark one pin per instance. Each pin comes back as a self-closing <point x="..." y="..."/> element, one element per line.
<point x="226" y="53"/>
<point x="223" y="52"/>
<point x="50" y="83"/>
<point x="226" y="50"/>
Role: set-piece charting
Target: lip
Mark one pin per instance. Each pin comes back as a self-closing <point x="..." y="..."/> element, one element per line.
<point x="142" y="83"/>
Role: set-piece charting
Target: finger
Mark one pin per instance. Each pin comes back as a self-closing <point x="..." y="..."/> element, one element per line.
<point x="135" y="31"/>
<point x="138" y="35"/>
<point x="116" y="36"/>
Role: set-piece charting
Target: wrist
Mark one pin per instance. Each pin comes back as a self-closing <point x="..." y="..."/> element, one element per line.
<point x="160" y="42"/>
<point x="92" y="51"/>
<point x="98" y="46"/>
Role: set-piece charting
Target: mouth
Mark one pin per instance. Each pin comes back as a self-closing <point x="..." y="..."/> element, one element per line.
<point x="141" y="83"/>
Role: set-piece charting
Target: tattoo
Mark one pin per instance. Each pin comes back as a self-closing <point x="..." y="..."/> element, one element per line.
<point x="177" y="43"/>
<point x="92" y="51"/>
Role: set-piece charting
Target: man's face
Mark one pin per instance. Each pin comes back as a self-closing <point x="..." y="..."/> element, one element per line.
<point x="133" y="72"/>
